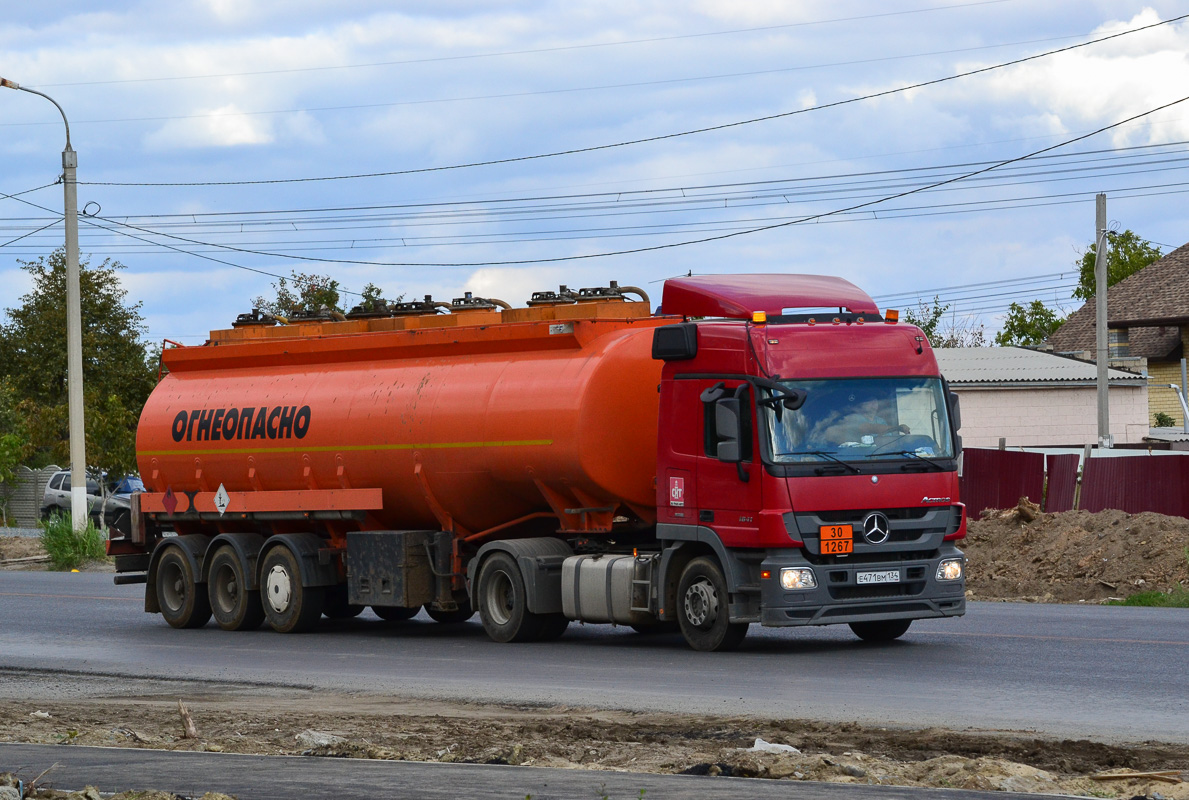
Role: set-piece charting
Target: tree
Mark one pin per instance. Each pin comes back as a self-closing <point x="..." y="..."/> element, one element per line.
<point x="117" y="377"/>
<point x="315" y="294"/>
<point x="14" y="440"/>
<point x="1127" y="254"/>
<point x="1028" y="325"/>
<point x="954" y="332"/>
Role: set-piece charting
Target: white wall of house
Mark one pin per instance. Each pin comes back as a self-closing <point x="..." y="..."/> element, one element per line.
<point x="1038" y="417"/>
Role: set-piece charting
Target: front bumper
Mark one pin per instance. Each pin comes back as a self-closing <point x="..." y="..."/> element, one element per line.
<point x="839" y="598"/>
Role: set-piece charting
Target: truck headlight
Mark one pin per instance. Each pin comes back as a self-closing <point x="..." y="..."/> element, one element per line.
<point x="793" y="578"/>
<point x="949" y="570"/>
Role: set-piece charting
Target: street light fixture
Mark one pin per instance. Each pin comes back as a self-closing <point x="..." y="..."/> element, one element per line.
<point x="74" y="324"/>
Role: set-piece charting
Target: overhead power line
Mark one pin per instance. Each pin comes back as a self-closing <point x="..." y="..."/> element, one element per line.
<point x="689" y="242"/>
<point x="657" y="138"/>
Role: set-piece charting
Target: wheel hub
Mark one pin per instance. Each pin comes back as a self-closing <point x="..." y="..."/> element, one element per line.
<point x="279" y="589"/>
<point x="701" y="604"/>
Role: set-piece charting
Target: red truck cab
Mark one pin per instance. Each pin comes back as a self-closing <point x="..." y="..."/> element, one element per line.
<point x="811" y="445"/>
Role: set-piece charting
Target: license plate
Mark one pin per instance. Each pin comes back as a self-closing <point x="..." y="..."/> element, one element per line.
<point x="836" y="539"/>
<point x="887" y="576"/>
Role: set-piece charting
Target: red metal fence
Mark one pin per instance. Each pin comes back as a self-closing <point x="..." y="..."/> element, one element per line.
<point x="1132" y="483"/>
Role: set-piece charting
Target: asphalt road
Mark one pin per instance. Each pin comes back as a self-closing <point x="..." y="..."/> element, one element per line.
<point x="287" y="777"/>
<point x="1108" y="673"/>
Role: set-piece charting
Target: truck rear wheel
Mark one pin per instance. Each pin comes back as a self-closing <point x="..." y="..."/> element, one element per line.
<point x="289" y="606"/>
<point x="234" y="605"/>
<point x="182" y="602"/>
<point x="882" y="631"/>
<point x="395" y="613"/>
<point x="702" y="608"/>
<point x="503" y="605"/>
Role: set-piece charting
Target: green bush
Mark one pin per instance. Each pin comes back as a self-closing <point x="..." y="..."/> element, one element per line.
<point x="1164" y="420"/>
<point x="68" y="548"/>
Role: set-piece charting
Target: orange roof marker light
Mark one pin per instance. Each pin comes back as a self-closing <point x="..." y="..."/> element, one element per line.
<point x="759" y="317"/>
<point x="891" y="316"/>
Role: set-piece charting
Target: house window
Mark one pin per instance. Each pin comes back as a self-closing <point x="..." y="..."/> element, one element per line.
<point x="1119" y="343"/>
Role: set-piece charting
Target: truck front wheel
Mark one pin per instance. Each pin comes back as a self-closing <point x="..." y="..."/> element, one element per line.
<point x="234" y="605"/>
<point x="702" y="608"/>
<point x="183" y="603"/>
<point x="503" y="606"/>
<point x="882" y="631"/>
<point x="289" y="606"/>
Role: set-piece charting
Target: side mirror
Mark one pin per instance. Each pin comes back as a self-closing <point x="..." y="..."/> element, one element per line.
<point x="729" y="429"/>
<point x="955" y="411"/>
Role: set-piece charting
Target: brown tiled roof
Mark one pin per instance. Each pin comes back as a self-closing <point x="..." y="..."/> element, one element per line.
<point x="1153" y="303"/>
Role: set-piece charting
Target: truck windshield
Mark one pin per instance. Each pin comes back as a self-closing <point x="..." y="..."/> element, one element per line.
<point x="861" y="419"/>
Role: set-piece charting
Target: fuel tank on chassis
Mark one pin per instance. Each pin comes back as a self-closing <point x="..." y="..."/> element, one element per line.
<point x="486" y="422"/>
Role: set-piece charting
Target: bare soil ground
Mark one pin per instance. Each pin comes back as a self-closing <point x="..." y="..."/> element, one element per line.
<point x="1019" y="554"/>
<point x="255" y="720"/>
<point x="1074" y="556"/>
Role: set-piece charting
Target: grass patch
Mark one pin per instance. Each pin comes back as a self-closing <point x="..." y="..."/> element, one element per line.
<point x="1177" y="598"/>
<point x="68" y="548"/>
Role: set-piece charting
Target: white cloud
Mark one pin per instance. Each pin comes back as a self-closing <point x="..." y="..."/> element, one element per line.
<point x="220" y="127"/>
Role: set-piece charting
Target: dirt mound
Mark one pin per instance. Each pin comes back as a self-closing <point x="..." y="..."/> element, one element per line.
<point x="20" y="547"/>
<point x="1074" y="556"/>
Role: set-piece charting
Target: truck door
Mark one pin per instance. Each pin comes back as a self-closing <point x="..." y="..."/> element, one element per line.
<point x="729" y="494"/>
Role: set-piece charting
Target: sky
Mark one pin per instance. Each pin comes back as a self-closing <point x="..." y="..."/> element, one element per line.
<point x="224" y="143"/>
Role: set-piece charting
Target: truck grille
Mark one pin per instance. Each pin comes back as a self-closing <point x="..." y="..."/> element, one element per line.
<point x="881" y="590"/>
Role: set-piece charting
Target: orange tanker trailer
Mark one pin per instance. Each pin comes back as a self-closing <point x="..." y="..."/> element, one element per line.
<point x="506" y="460"/>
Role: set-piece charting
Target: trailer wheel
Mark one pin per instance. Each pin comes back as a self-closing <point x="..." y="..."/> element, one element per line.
<point x="882" y="631"/>
<point x="234" y="605"/>
<point x="395" y="613"/>
<point x="503" y="605"/>
<point x="702" y="610"/>
<point x="289" y="606"/>
<point x="461" y="614"/>
<point x="335" y="605"/>
<point x="182" y="602"/>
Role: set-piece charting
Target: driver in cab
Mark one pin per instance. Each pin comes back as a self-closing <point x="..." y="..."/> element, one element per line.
<point x="869" y="419"/>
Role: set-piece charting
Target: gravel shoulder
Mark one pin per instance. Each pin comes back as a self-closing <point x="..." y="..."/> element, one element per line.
<point x="251" y="719"/>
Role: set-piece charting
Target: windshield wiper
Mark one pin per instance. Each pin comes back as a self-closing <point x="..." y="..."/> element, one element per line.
<point x="928" y="461"/>
<point x="824" y="454"/>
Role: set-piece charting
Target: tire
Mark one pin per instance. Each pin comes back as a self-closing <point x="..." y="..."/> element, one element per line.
<point x="882" y="631"/>
<point x="395" y="613"/>
<point x="503" y="605"/>
<point x="552" y="627"/>
<point x="289" y="606"/>
<point x="335" y="605"/>
<point x="459" y="615"/>
<point x="234" y="606"/>
<point x="702" y="610"/>
<point x="183" y="602"/>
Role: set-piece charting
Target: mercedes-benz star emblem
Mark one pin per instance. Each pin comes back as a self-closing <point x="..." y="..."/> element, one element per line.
<point x="876" y="528"/>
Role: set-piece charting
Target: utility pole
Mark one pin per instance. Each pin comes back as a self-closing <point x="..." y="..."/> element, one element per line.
<point x="74" y="323"/>
<point x="1100" y="279"/>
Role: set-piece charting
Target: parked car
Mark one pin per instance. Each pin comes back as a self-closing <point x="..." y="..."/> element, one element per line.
<point x="56" y="499"/>
<point x="107" y="502"/>
<point x="117" y="512"/>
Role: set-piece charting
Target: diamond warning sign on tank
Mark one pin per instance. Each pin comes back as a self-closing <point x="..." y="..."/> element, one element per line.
<point x="221" y="499"/>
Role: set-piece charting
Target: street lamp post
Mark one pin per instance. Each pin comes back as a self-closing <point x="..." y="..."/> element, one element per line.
<point x="74" y="323"/>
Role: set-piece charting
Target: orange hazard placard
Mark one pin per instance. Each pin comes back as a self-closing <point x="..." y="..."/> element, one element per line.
<point x="837" y="539"/>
